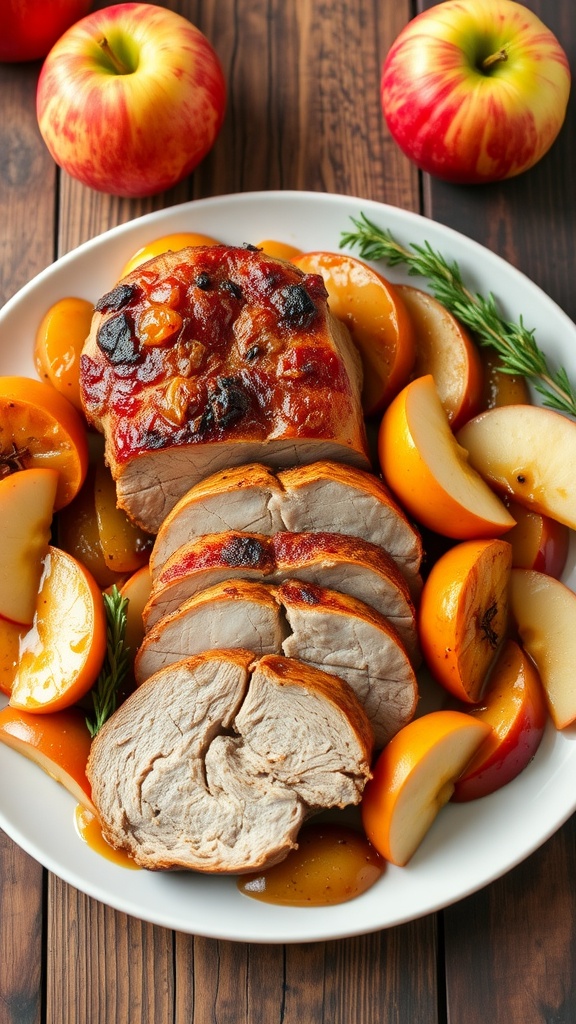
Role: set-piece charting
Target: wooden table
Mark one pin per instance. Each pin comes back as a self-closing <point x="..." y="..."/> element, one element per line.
<point x="303" y="113"/>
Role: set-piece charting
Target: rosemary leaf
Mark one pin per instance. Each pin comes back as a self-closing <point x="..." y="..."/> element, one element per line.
<point x="513" y="341"/>
<point x="116" y="662"/>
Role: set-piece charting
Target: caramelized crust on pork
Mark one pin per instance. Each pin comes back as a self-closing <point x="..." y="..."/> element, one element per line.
<point x="214" y="356"/>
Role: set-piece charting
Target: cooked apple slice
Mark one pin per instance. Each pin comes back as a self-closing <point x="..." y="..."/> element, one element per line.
<point x="445" y="349"/>
<point x="515" y="707"/>
<point x="501" y="388"/>
<point x="538" y="541"/>
<point x="544" y="611"/>
<point x="62" y="653"/>
<point x="429" y="471"/>
<point x="10" y="635"/>
<point x="414" y="778"/>
<point x="137" y="590"/>
<point x="125" y="547"/>
<point x="26" y="508"/>
<point x="529" y="453"/>
<point x="376" y="317"/>
<point x="59" y="743"/>
<point x="464" y="614"/>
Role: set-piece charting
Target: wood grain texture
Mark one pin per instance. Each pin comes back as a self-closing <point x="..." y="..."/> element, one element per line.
<point x="27" y="216"/>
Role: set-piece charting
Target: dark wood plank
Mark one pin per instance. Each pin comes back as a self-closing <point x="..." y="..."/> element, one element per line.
<point x="125" y="974"/>
<point x="510" y="948"/>
<point x="27" y="211"/>
<point x="385" y="978"/>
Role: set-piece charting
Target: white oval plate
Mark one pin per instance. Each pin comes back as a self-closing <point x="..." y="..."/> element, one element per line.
<point x="469" y="845"/>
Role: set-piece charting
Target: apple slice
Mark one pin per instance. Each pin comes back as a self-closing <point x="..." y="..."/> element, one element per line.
<point x="26" y="508"/>
<point x="529" y="453"/>
<point x="11" y="634"/>
<point x="464" y="614"/>
<point x="544" y="611"/>
<point x="514" y="706"/>
<point x="445" y="349"/>
<point x="501" y="388"/>
<point x="125" y="547"/>
<point x="137" y="591"/>
<point x="59" y="743"/>
<point x="62" y="653"/>
<point x="429" y="471"/>
<point x="376" y="317"/>
<point x="414" y="778"/>
<point x="538" y="541"/>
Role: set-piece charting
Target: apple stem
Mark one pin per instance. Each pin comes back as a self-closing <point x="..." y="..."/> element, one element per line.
<point x="495" y="58"/>
<point x="117" y="64"/>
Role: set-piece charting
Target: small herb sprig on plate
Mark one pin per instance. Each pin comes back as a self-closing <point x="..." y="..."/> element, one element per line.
<point x="116" y="662"/>
<point x="515" y="344"/>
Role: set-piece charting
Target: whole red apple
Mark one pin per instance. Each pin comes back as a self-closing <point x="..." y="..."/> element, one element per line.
<point x="29" y="28"/>
<point x="475" y="90"/>
<point x="130" y="99"/>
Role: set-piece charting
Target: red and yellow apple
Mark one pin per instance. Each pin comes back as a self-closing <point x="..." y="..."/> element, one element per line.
<point x="131" y="99"/>
<point x="29" y="28"/>
<point x="514" y="706"/>
<point x="475" y="90"/>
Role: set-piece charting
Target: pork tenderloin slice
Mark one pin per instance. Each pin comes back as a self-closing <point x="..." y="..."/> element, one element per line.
<point x="176" y="791"/>
<point x="348" y="564"/>
<point x="206" y="562"/>
<point x="232" y="614"/>
<point x="324" y="497"/>
<point x="330" y="497"/>
<point x="330" y="631"/>
<point x="340" y="634"/>
<point x="352" y="566"/>
<point x="151" y="483"/>
<point x="234" y="499"/>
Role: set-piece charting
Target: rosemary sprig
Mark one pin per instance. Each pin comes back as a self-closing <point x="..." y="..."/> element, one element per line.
<point x="116" y="662"/>
<point x="515" y="343"/>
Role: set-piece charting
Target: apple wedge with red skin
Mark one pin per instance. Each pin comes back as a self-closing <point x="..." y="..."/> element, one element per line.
<point x="515" y="707"/>
<point x="543" y="611"/>
<point x="527" y="453"/>
<point x="538" y="542"/>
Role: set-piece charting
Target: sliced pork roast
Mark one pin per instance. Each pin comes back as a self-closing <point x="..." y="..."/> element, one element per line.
<point x="214" y="763"/>
<point x="215" y="356"/>
<point x="348" y="564"/>
<point x="322" y="497"/>
<point x="319" y="626"/>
